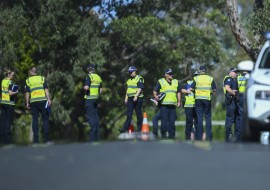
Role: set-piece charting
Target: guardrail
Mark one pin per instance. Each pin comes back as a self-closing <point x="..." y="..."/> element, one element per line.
<point x="183" y="123"/>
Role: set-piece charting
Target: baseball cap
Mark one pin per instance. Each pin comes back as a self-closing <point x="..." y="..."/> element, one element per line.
<point x="91" y="66"/>
<point x="202" y="68"/>
<point x="196" y="73"/>
<point x="233" y="69"/>
<point x="131" y="69"/>
<point x="169" y="71"/>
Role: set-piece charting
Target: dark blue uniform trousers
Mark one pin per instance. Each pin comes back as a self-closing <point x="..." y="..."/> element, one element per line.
<point x="91" y="108"/>
<point x="241" y="112"/>
<point x="6" y="122"/>
<point x="191" y="118"/>
<point x="36" y="108"/>
<point x="155" y="119"/>
<point x="131" y="105"/>
<point x="168" y="117"/>
<point x="232" y="118"/>
<point x="203" y="108"/>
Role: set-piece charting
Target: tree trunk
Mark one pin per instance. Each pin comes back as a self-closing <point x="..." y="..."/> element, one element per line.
<point x="237" y="30"/>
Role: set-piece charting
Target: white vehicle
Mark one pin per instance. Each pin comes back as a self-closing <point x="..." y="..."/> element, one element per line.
<point x="257" y="96"/>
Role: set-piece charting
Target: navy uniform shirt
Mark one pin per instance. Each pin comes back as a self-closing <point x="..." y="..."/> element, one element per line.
<point x="232" y="83"/>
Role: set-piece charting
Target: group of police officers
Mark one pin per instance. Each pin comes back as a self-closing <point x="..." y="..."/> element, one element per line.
<point x="198" y="92"/>
<point x="37" y="99"/>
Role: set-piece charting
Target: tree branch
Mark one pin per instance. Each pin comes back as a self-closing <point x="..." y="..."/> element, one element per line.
<point x="238" y="31"/>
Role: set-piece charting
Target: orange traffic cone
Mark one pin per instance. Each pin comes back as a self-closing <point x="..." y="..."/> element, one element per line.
<point x="131" y="128"/>
<point x="145" y="127"/>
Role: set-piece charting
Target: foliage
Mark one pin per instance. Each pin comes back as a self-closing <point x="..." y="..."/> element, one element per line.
<point x="21" y="131"/>
<point x="259" y="24"/>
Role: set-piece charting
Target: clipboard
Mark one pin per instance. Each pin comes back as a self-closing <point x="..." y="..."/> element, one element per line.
<point x="15" y="88"/>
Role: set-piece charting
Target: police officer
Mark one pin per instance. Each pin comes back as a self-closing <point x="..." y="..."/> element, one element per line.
<point x="7" y="106"/>
<point x="172" y="89"/>
<point x="191" y="116"/>
<point x="231" y="101"/>
<point x="134" y="99"/>
<point x="92" y="88"/>
<point x="241" y="81"/>
<point x="36" y="97"/>
<point x="157" y="116"/>
<point x="205" y="87"/>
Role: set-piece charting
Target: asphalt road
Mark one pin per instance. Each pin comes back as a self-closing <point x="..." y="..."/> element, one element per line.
<point x="135" y="165"/>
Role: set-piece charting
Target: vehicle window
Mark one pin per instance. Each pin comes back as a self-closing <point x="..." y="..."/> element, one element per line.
<point x="265" y="62"/>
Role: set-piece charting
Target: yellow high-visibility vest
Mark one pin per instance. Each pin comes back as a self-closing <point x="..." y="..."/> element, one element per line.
<point x="203" y="87"/>
<point x="37" y="92"/>
<point x="5" y="94"/>
<point x="189" y="98"/>
<point x="170" y="90"/>
<point x="132" y="86"/>
<point x="241" y="80"/>
<point x="94" y="86"/>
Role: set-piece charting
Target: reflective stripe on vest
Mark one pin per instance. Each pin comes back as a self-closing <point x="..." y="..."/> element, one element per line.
<point x="94" y="86"/>
<point x="5" y="94"/>
<point x="37" y="92"/>
<point x="170" y="90"/>
<point x="203" y="87"/>
<point x="132" y="86"/>
<point x="189" y="98"/>
<point x="224" y="90"/>
<point x="241" y="80"/>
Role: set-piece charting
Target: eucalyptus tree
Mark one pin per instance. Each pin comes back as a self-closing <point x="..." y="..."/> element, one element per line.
<point x="249" y="31"/>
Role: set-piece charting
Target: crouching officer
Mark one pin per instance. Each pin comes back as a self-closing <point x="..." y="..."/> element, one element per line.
<point x="172" y="89"/>
<point x="93" y="88"/>
<point x="191" y="116"/>
<point x="231" y="101"/>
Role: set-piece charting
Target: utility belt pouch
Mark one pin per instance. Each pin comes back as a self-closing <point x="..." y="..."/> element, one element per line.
<point x="236" y="97"/>
<point x="228" y="99"/>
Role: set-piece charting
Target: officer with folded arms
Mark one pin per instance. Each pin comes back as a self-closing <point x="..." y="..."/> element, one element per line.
<point x="231" y="101"/>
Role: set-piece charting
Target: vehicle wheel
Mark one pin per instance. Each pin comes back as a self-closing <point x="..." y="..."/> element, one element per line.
<point x="250" y="133"/>
<point x="255" y="134"/>
<point x="246" y="134"/>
